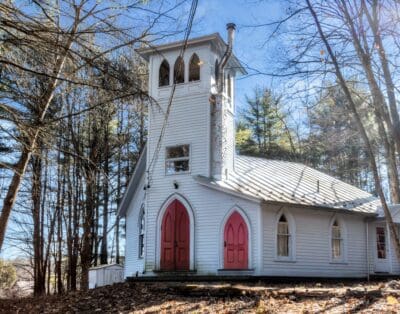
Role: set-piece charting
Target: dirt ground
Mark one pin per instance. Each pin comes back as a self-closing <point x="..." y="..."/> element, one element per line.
<point x="171" y="297"/>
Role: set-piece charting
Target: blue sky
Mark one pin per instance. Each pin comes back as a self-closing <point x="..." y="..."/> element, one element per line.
<point x="212" y="16"/>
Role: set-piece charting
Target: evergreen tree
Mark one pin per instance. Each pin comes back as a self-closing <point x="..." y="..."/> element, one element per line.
<point x="269" y="136"/>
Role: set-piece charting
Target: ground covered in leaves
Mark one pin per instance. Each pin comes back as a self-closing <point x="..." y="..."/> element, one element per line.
<point x="261" y="297"/>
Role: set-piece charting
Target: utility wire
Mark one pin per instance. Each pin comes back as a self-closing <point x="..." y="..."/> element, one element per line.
<point x="166" y="116"/>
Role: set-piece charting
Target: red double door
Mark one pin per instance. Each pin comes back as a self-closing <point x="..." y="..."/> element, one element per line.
<point x="175" y="238"/>
<point x="235" y="243"/>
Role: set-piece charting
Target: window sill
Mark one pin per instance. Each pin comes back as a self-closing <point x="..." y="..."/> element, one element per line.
<point x="285" y="260"/>
<point x="180" y="84"/>
<point x="177" y="173"/>
<point x="339" y="262"/>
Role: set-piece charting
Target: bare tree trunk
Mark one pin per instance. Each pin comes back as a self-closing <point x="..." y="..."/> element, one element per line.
<point x="353" y="109"/>
<point x="29" y="146"/>
<point x="390" y="156"/>
<point x="390" y="88"/>
<point x="60" y="208"/>
<point x="39" y="287"/>
<point x="106" y="172"/>
<point x="366" y="62"/>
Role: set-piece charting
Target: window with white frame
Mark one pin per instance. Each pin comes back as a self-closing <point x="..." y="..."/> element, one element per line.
<point x="337" y="241"/>
<point x="283" y="238"/>
<point x="141" y="232"/>
<point x="381" y="242"/>
<point x="177" y="159"/>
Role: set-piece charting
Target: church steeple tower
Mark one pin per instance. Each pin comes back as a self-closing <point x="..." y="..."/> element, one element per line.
<point x="191" y="122"/>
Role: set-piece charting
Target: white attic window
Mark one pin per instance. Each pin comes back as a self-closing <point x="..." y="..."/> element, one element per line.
<point x="177" y="159"/>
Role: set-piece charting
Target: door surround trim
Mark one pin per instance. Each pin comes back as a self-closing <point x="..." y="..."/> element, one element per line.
<point x="160" y="216"/>
<point x="222" y="231"/>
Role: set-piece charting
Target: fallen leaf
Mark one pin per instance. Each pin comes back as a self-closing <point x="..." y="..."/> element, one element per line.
<point x="391" y="300"/>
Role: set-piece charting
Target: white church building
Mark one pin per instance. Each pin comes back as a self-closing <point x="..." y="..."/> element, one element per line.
<point x="194" y="206"/>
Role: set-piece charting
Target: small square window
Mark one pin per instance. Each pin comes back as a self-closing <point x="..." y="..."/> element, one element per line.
<point x="177" y="159"/>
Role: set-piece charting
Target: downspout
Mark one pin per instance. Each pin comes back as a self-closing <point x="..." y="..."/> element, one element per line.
<point x="231" y="34"/>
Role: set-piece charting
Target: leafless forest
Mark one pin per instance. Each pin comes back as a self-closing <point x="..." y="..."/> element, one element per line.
<point x="73" y="106"/>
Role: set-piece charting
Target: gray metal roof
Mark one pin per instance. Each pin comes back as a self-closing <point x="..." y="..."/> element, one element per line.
<point x="292" y="183"/>
<point x="394" y="210"/>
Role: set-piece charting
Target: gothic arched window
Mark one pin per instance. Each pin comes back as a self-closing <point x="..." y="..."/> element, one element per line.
<point x="179" y="71"/>
<point x="141" y="232"/>
<point x="163" y="75"/>
<point x="194" y="68"/>
<point x="337" y="241"/>
<point x="283" y="238"/>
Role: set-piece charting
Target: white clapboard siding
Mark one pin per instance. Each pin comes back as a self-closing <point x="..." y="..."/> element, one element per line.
<point x="209" y="208"/>
<point x="251" y="189"/>
<point x="134" y="264"/>
<point x="105" y="275"/>
<point x="312" y="245"/>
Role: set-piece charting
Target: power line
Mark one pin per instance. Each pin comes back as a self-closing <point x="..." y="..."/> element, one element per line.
<point x="166" y="116"/>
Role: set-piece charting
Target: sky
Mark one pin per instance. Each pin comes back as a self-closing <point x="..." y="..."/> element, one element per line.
<point x="213" y="15"/>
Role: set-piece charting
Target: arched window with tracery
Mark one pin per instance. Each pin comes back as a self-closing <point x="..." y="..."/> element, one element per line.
<point x="194" y="68"/>
<point x="179" y="71"/>
<point x="163" y="75"/>
<point x="283" y="238"/>
<point x="216" y="70"/>
<point x="337" y="241"/>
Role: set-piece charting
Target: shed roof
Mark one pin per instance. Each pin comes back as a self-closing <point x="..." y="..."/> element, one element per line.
<point x="292" y="183"/>
<point x="394" y="210"/>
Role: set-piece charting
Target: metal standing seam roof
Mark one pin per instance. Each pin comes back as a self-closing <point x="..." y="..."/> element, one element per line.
<point x="394" y="210"/>
<point x="292" y="183"/>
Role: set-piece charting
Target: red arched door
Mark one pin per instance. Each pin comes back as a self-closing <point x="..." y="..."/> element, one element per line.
<point x="236" y="243"/>
<point x="175" y="238"/>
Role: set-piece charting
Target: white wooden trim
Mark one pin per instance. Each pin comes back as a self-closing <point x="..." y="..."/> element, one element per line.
<point x="260" y="240"/>
<point x="246" y="219"/>
<point x="160" y="216"/>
